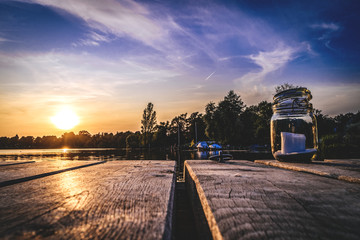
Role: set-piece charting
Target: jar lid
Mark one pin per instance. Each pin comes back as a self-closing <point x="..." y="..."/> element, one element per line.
<point x="293" y="93"/>
<point x="293" y="100"/>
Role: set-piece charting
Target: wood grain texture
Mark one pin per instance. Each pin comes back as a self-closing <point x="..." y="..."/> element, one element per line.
<point x="23" y="170"/>
<point x="344" y="161"/>
<point x="11" y="163"/>
<point x="342" y="170"/>
<point x="114" y="200"/>
<point x="246" y="200"/>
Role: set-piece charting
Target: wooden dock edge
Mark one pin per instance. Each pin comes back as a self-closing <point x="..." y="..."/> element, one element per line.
<point x="204" y="218"/>
<point x="282" y="165"/>
<point x="170" y="216"/>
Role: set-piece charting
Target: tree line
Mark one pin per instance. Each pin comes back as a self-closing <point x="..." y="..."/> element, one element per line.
<point x="229" y="122"/>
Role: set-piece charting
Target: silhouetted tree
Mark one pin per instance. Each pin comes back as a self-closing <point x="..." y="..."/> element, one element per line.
<point x="14" y="141"/>
<point x="162" y="134"/>
<point x="69" y="139"/>
<point x="223" y="121"/>
<point x="148" y="123"/>
<point x="249" y="118"/>
<point x="178" y="125"/>
<point x="51" y="142"/>
<point x="4" y="142"/>
<point x="229" y="122"/>
<point x="264" y="113"/>
<point x="196" y="127"/>
<point x="326" y="125"/>
<point x="120" y="138"/>
<point x="133" y="140"/>
<point x="210" y="119"/>
<point x="26" y="142"/>
<point x="84" y="139"/>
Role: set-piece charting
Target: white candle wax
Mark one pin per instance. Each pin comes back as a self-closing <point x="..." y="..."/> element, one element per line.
<point x="292" y="142"/>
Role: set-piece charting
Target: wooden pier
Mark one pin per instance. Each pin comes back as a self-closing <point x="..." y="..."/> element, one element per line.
<point x="237" y="199"/>
<point x="247" y="200"/>
<point x="87" y="200"/>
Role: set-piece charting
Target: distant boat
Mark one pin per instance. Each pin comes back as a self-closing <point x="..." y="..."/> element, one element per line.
<point x="208" y="145"/>
<point x="215" y="146"/>
<point x="202" y="145"/>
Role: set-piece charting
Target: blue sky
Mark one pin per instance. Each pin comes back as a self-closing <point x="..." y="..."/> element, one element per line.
<point x="107" y="59"/>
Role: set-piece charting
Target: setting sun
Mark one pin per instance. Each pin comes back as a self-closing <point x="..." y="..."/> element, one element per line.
<point x="65" y="119"/>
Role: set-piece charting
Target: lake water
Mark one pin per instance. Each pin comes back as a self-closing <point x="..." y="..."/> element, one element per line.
<point x="111" y="154"/>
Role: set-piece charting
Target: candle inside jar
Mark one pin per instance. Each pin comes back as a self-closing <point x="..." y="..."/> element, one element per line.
<point x="292" y="142"/>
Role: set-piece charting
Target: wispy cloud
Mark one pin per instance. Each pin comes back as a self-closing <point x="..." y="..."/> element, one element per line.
<point x="268" y="62"/>
<point x="181" y="47"/>
<point x="123" y="19"/>
<point x="327" y="26"/>
<point x="3" y="40"/>
<point x="194" y="38"/>
<point x="36" y="84"/>
<point x="252" y="86"/>
<point x="75" y="77"/>
<point x="327" y="31"/>
<point x="93" y="39"/>
<point x="179" y="56"/>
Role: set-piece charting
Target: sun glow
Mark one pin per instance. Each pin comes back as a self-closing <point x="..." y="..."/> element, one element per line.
<point x="65" y="119"/>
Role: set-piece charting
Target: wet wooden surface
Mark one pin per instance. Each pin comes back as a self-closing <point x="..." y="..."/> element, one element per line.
<point x="246" y="200"/>
<point x="112" y="200"/>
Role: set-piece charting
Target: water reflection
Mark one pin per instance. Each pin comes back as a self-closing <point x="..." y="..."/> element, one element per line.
<point x="202" y="155"/>
<point x="111" y="154"/>
<point x="206" y="154"/>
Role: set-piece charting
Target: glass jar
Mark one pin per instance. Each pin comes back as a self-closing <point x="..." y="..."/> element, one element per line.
<point x="293" y="126"/>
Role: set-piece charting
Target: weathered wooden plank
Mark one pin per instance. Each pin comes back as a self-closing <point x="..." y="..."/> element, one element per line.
<point x="245" y="200"/>
<point x="114" y="200"/>
<point x="344" y="161"/>
<point x="339" y="170"/>
<point x="11" y="163"/>
<point x="17" y="171"/>
<point x="46" y="174"/>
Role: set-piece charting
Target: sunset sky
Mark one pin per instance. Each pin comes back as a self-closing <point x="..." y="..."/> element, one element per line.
<point x="105" y="60"/>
